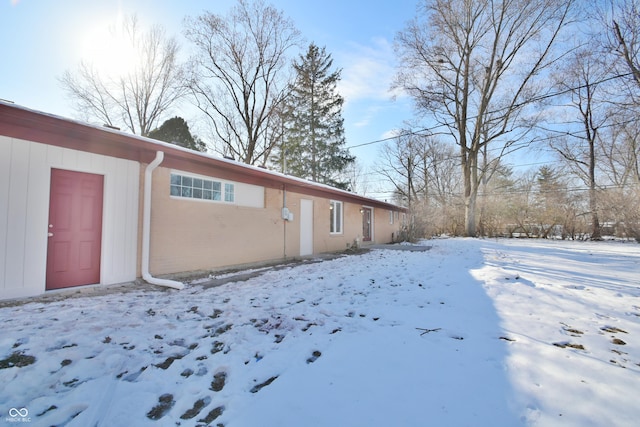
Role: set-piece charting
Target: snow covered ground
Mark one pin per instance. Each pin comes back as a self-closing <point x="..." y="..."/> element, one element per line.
<point x="470" y="333"/>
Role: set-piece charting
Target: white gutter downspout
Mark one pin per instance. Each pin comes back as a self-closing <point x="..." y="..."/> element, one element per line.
<point x="146" y="228"/>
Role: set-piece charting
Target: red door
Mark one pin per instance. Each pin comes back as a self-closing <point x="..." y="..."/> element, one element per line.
<point x="366" y="224"/>
<point x="75" y="229"/>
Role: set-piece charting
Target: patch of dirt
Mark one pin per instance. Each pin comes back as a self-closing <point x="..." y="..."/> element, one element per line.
<point x="309" y="325"/>
<point x="572" y="331"/>
<point x="256" y="388"/>
<point x="212" y="415"/>
<point x="197" y="407"/>
<point x="217" y="347"/>
<point x="218" y="382"/>
<point x="613" y="330"/>
<point x="314" y="356"/>
<point x="17" y="359"/>
<point x="165" y="403"/>
<point x="570" y="345"/>
<point x="165" y="365"/>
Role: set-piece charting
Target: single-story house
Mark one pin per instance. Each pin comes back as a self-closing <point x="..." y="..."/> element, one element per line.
<point x="89" y="205"/>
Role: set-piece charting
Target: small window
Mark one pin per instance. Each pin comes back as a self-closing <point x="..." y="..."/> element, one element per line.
<point x="335" y="221"/>
<point x="390" y="217"/>
<point x="200" y="188"/>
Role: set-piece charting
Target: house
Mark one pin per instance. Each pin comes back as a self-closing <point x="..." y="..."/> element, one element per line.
<point x="83" y="204"/>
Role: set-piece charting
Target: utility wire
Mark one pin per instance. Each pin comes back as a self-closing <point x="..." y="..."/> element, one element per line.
<point x="531" y="101"/>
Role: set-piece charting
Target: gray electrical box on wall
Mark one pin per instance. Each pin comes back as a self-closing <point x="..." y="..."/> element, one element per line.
<point x="287" y="214"/>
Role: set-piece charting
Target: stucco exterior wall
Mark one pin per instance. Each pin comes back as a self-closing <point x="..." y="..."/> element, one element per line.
<point x="199" y="235"/>
<point x="190" y="235"/>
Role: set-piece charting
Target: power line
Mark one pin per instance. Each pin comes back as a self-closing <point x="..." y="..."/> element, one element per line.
<point x="540" y="98"/>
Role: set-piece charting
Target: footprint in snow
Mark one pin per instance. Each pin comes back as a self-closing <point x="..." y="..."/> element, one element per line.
<point x="212" y="415"/>
<point x="219" y="380"/>
<point x="195" y="410"/>
<point x="314" y="356"/>
<point x="256" y="388"/>
<point x="165" y="403"/>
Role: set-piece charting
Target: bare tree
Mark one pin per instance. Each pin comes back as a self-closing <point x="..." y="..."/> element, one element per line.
<point x="620" y="148"/>
<point x="239" y="76"/>
<point x="581" y="79"/>
<point x="421" y="168"/>
<point x="400" y="162"/>
<point x="621" y="19"/>
<point x="473" y="65"/>
<point x="356" y="177"/>
<point x="140" y="97"/>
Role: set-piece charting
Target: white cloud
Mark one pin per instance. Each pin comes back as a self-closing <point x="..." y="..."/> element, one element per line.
<point x="368" y="71"/>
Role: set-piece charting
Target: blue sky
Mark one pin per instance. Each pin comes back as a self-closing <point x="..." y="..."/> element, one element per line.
<point x="43" y="38"/>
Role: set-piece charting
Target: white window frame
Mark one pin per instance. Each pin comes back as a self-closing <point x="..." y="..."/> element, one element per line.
<point x="336" y="217"/>
<point x="226" y="189"/>
<point x="391" y="217"/>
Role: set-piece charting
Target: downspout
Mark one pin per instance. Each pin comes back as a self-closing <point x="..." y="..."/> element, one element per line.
<point x="284" y="221"/>
<point x="146" y="228"/>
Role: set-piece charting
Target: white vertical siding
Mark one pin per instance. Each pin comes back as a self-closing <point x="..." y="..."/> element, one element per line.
<point x="37" y="216"/>
<point x="17" y="216"/>
<point x="5" y="173"/>
<point x="121" y="197"/>
<point x="25" y="174"/>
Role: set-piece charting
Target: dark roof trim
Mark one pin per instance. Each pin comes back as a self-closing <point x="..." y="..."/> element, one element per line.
<point x="23" y="123"/>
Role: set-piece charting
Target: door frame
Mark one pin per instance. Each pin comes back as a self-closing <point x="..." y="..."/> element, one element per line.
<point x="367" y="211"/>
<point x="306" y="227"/>
<point x="98" y="205"/>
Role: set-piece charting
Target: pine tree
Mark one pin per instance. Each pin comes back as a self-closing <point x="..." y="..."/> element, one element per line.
<point x="313" y="146"/>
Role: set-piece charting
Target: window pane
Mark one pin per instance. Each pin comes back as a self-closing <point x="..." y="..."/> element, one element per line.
<point x="207" y="194"/>
<point x="187" y="181"/>
<point x="175" y="190"/>
<point x="332" y="209"/>
<point x="175" y="179"/>
<point x="229" y="195"/>
<point x="197" y="183"/>
<point x="338" y="217"/>
<point x="186" y="191"/>
<point x="217" y="191"/>
<point x="197" y="193"/>
<point x="207" y="185"/>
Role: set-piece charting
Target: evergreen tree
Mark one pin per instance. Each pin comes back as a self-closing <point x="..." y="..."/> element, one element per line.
<point x="176" y="131"/>
<point x="313" y="146"/>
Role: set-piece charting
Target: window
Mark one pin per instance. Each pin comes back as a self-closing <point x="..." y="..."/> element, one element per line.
<point x="390" y="217"/>
<point x="335" y="210"/>
<point x="228" y="193"/>
<point x="201" y="188"/>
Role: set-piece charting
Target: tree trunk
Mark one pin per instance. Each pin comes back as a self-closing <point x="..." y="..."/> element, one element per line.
<point x="470" y="173"/>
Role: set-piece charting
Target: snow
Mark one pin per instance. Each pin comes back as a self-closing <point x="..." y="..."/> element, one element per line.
<point x="470" y="333"/>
